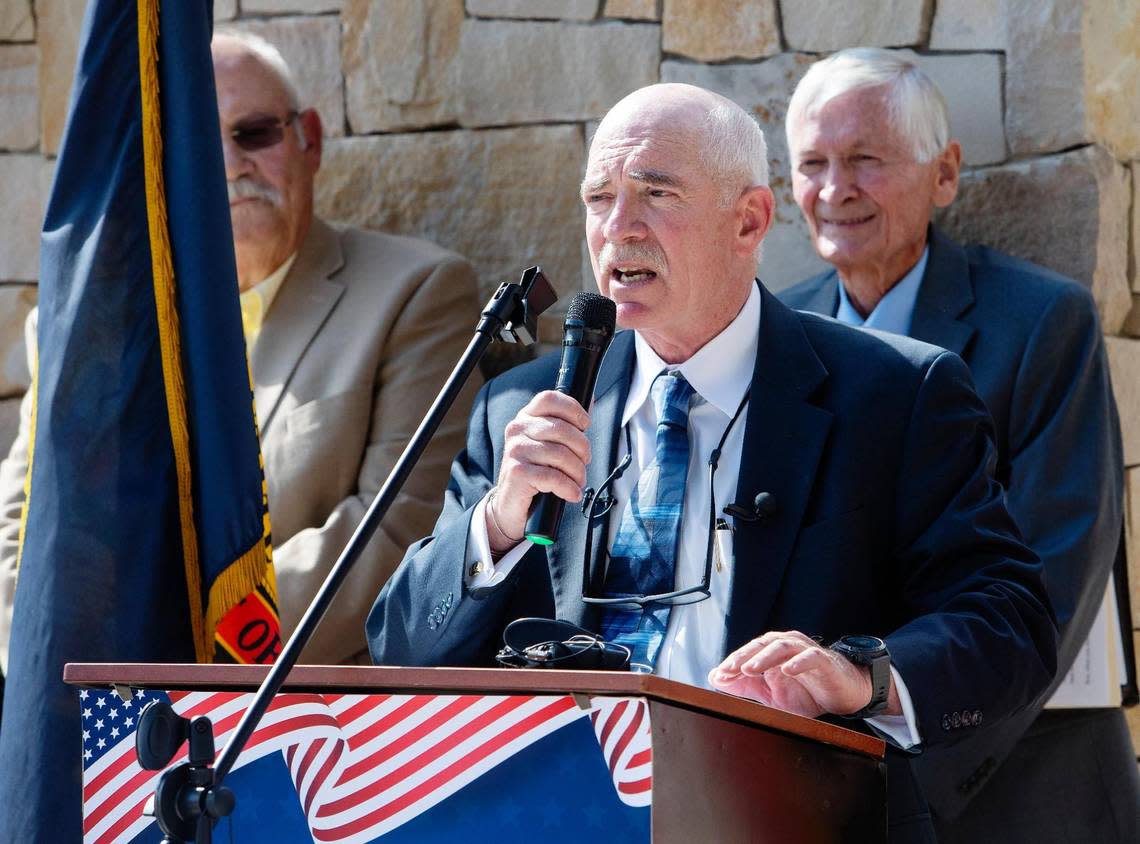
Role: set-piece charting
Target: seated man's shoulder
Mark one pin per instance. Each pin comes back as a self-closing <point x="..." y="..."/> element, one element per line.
<point x="1023" y="289"/>
<point x="403" y="251"/>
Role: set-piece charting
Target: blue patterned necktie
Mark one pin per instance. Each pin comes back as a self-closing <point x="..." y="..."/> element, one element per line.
<point x="644" y="552"/>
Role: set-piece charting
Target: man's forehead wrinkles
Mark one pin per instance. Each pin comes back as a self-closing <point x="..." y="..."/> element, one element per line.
<point x="646" y="175"/>
<point x="845" y="136"/>
<point x="607" y="167"/>
<point x="852" y="122"/>
<point x="644" y="157"/>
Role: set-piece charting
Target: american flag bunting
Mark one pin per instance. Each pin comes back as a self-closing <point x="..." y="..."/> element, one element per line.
<point x="362" y="765"/>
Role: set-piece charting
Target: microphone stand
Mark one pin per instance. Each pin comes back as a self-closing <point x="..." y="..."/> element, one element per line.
<point x="190" y="798"/>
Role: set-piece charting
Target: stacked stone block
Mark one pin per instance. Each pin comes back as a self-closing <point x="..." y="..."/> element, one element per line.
<point x="466" y="121"/>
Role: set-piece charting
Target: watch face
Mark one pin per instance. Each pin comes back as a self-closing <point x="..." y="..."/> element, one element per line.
<point x="863" y="643"/>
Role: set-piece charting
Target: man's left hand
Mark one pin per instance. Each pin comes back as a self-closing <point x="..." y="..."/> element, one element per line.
<point x="790" y="671"/>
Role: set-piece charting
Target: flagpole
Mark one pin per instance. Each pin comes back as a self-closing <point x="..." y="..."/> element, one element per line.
<point x="510" y="315"/>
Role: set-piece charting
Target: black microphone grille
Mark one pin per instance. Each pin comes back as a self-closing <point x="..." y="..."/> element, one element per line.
<point x="594" y="311"/>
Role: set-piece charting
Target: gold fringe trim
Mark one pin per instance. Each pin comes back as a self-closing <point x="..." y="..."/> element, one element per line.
<point x="269" y="581"/>
<point x="270" y="578"/>
<point x="266" y="593"/>
<point x="235" y="583"/>
<point x="167" y="312"/>
<point x="31" y="454"/>
<point x="255" y="567"/>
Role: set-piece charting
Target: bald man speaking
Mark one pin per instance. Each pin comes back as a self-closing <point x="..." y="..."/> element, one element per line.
<point x="884" y="581"/>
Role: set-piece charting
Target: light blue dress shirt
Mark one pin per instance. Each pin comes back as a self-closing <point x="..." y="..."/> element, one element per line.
<point x="895" y="310"/>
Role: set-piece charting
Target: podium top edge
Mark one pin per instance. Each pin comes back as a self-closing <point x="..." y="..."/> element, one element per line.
<point x="363" y="679"/>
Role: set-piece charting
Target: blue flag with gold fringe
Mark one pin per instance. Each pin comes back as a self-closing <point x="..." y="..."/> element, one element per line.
<point x="145" y="535"/>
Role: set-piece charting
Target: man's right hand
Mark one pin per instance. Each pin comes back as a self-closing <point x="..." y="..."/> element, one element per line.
<point x="545" y="450"/>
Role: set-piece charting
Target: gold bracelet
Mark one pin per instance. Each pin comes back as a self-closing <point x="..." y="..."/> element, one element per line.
<point x="494" y="519"/>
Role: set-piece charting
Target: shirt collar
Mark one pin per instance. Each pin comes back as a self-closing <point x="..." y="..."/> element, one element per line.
<point x="265" y="291"/>
<point x="720" y="372"/>
<point x="894" y="311"/>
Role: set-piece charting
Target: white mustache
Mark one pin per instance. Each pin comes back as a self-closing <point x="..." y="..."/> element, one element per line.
<point x="647" y="255"/>
<point x="244" y="187"/>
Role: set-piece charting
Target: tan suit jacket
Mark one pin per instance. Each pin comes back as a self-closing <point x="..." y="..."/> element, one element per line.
<point x="358" y="341"/>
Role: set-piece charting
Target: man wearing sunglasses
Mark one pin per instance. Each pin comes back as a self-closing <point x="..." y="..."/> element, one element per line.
<point x="864" y="564"/>
<point x="350" y="334"/>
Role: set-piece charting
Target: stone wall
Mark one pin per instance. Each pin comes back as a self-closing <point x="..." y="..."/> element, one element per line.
<point x="467" y="122"/>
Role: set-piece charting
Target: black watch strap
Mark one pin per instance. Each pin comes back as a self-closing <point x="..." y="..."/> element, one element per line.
<point x="872" y="652"/>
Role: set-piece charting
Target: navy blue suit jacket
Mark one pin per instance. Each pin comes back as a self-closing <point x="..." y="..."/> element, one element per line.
<point x="1033" y="344"/>
<point x="880" y="456"/>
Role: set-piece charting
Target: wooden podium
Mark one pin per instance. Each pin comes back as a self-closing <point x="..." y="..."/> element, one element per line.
<point x="722" y="768"/>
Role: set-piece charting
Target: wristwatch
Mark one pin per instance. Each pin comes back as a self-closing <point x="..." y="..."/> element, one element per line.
<point x="870" y="651"/>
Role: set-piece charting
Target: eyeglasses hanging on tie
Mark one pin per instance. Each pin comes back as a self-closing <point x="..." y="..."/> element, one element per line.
<point x="597" y="505"/>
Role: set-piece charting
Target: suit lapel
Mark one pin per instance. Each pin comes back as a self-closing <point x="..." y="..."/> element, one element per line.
<point x="297" y="313"/>
<point x="946" y="293"/>
<point x="784" y="438"/>
<point x="565" y="556"/>
<point x="824" y="296"/>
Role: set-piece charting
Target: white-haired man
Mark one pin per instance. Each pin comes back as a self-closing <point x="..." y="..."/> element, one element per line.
<point x="871" y="158"/>
<point x="812" y="413"/>
<point x="350" y="335"/>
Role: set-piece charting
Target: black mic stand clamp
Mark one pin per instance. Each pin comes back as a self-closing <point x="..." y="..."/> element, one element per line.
<point x="187" y="801"/>
<point x="512" y="314"/>
<point x="190" y="797"/>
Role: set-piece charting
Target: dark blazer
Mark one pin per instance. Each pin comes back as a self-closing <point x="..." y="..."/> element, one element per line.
<point x="880" y="457"/>
<point x="1033" y="344"/>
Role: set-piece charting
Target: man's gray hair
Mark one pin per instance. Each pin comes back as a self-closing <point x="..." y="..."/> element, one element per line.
<point x="916" y="107"/>
<point x="269" y="55"/>
<point x="734" y="151"/>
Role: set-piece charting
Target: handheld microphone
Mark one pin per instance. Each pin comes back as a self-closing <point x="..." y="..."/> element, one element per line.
<point x="586" y="335"/>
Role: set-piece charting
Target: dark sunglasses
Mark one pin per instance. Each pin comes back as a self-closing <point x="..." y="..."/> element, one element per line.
<point x="261" y="132"/>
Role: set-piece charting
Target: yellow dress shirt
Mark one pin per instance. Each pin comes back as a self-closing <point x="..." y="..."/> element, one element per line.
<point x="256" y="301"/>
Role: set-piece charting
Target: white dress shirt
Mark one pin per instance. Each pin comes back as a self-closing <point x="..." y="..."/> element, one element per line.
<point x="720" y="374"/>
